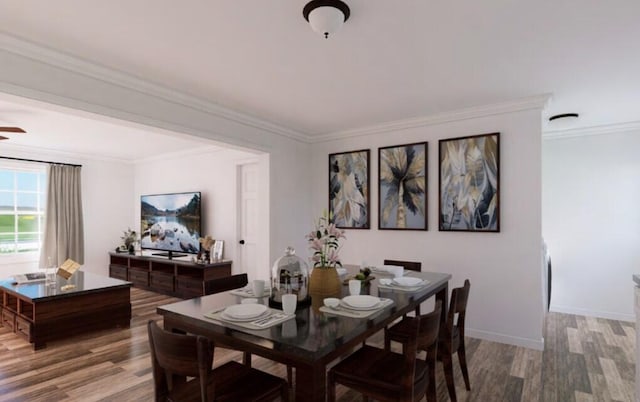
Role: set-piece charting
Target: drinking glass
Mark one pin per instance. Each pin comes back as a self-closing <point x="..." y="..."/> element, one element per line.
<point x="289" y="302"/>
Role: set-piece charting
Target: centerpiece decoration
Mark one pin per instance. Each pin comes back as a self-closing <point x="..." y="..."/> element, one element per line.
<point x="324" y="243"/>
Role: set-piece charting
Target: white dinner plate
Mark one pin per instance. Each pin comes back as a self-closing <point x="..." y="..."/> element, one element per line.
<point x="408" y="281"/>
<point x="235" y="319"/>
<point x="245" y="311"/>
<point x="361" y="302"/>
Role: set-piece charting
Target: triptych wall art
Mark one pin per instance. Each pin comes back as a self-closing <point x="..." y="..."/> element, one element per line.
<point x="349" y="189"/>
<point x="469" y="172"/>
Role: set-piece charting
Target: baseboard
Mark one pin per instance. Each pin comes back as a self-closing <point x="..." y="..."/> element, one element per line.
<point x="501" y="338"/>
<point x="592" y="313"/>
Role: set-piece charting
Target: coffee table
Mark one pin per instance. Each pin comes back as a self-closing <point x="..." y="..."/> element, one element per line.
<point x="41" y="312"/>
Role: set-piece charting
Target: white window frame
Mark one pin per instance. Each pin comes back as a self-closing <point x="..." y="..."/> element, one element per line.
<point x="31" y="256"/>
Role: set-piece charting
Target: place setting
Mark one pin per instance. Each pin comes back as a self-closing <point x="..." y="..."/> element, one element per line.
<point x="355" y="306"/>
<point x="254" y="315"/>
<point x="404" y="283"/>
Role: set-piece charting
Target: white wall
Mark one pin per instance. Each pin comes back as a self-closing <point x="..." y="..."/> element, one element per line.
<point x="591" y="193"/>
<point x="504" y="268"/>
<point x="211" y="172"/>
<point x="107" y="187"/>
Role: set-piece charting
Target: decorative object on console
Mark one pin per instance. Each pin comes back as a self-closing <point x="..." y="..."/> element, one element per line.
<point x="326" y="16"/>
<point x="324" y="242"/>
<point x="206" y="243"/>
<point x="402" y="187"/>
<point x="289" y="275"/>
<point x="469" y="183"/>
<point x="217" y="250"/>
<point x="129" y="240"/>
<point x="349" y="189"/>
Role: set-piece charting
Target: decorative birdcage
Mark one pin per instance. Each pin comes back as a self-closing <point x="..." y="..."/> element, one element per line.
<point x="290" y="274"/>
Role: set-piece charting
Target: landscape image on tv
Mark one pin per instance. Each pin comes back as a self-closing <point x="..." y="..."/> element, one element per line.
<point x="171" y="222"/>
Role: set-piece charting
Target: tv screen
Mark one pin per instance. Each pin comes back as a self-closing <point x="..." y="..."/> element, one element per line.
<point x="171" y="222"/>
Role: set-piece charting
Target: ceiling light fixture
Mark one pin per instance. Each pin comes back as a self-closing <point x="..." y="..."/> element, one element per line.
<point x="326" y="16"/>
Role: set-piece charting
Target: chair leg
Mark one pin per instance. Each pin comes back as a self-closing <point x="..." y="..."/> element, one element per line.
<point x="290" y="376"/>
<point x="246" y="359"/>
<point x="448" y="375"/>
<point x="284" y="394"/>
<point x="462" y="358"/>
<point x="431" y="388"/>
<point x="331" y="388"/>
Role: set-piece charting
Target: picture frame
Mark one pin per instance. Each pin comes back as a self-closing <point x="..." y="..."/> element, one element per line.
<point x="217" y="250"/>
<point x="349" y="202"/>
<point x="402" y="187"/>
<point x="469" y="183"/>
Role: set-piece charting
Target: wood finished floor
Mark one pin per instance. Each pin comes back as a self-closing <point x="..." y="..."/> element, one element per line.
<point x="586" y="359"/>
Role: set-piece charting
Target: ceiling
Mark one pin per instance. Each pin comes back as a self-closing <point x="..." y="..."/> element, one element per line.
<point x="392" y="60"/>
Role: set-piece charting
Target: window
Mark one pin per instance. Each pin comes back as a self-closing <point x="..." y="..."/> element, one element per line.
<point x="22" y="206"/>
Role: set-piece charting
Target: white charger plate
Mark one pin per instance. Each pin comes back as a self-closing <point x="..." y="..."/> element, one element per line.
<point x="408" y="281"/>
<point x="234" y="319"/>
<point x="361" y="302"/>
<point x="244" y="311"/>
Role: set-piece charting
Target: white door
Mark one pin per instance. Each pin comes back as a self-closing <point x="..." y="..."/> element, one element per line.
<point x="248" y="219"/>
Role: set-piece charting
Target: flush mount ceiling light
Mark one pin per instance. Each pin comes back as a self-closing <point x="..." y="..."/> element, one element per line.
<point x="326" y="16"/>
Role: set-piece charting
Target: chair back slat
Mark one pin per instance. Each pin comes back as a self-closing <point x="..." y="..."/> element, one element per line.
<point x="408" y="265"/>
<point x="227" y="283"/>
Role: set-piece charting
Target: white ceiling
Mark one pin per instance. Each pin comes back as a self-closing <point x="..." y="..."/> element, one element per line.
<point x="392" y="60"/>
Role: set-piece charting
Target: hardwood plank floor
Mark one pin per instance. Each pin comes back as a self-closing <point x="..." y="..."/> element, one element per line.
<point x="585" y="359"/>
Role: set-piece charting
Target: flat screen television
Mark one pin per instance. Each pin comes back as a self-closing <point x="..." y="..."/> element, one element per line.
<point x="171" y="223"/>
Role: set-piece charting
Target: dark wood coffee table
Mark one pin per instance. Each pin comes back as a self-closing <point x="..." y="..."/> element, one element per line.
<point x="39" y="312"/>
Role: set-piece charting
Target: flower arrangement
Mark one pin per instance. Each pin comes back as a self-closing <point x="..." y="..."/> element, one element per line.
<point x="324" y="242"/>
<point x="129" y="238"/>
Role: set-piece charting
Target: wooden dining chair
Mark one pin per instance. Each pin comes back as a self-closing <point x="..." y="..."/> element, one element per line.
<point x="410" y="266"/>
<point x="234" y="282"/>
<point x="388" y="376"/>
<point x="450" y="339"/>
<point x="176" y="357"/>
<point x="227" y="283"/>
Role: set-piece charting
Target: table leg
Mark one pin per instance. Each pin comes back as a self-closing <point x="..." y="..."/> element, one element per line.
<point x="311" y="383"/>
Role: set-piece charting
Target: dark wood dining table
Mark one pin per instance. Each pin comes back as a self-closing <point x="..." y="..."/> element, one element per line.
<point x="310" y="342"/>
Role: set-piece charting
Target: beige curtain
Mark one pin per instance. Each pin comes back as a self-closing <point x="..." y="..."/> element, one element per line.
<point x="63" y="230"/>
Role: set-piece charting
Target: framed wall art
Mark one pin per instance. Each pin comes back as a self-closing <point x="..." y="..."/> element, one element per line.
<point x="470" y="183"/>
<point x="402" y="187"/>
<point x="349" y="189"/>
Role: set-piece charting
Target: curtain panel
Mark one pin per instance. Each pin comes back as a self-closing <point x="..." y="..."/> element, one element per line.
<point x="63" y="230"/>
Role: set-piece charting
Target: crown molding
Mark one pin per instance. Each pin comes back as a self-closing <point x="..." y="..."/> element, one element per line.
<point x="537" y="102"/>
<point x="70" y="157"/>
<point x="593" y="130"/>
<point x="180" y="154"/>
<point x="77" y="65"/>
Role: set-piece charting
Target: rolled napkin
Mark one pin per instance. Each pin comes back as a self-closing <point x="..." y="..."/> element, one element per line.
<point x="341" y="271"/>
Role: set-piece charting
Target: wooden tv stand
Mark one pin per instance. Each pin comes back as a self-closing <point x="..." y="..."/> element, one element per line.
<point x="173" y="277"/>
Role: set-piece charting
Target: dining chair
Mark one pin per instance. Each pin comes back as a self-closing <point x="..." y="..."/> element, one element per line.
<point x="408" y="265"/>
<point x="227" y="283"/>
<point x="450" y="339"/>
<point x="388" y="376"/>
<point x="234" y="282"/>
<point x="176" y="357"/>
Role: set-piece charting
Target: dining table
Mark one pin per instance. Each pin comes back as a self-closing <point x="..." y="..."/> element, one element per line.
<point x="312" y="340"/>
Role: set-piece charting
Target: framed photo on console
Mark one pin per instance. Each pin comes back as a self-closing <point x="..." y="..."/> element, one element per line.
<point x="469" y="185"/>
<point x="402" y="187"/>
<point x="349" y="189"/>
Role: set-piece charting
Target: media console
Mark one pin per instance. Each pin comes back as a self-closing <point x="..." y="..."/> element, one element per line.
<point x="173" y="277"/>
